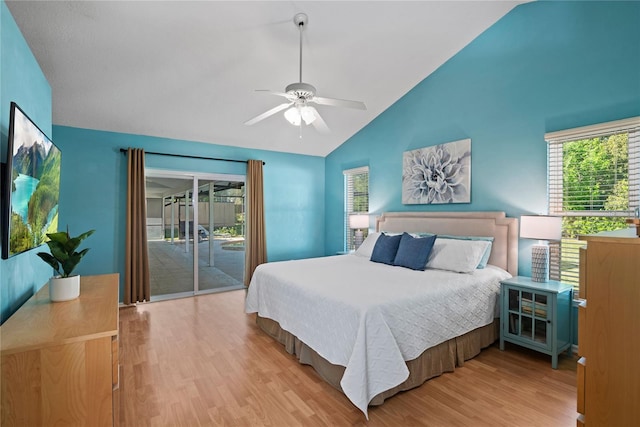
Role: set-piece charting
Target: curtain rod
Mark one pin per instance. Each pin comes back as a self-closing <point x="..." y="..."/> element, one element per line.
<point x="124" y="150"/>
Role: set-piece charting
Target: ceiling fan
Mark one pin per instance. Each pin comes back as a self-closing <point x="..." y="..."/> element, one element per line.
<point x="300" y="97"/>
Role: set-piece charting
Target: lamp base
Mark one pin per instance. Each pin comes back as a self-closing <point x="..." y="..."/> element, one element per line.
<point x="358" y="238"/>
<point x="540" y="263"/>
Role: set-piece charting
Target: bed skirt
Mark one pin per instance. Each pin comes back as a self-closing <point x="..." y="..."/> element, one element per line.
<point x="432" y="362"/>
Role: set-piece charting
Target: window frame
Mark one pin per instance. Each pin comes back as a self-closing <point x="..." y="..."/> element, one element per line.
<point x="349" y="175"/>
<point x="556" y="196"/>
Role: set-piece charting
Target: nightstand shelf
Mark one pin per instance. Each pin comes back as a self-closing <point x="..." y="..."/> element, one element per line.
<point x="536" y="315"/>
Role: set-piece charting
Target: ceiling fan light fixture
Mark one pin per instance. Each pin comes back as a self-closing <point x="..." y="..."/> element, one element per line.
<point x="302" y="96"/>
<point x="293" y="116"/>
<point x="307" y="115"/>
<point x="296" y="114"/>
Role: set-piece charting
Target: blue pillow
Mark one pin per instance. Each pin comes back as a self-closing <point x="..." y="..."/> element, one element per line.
<point x="385" y="249"/>
<point x="485" y="258"/>
<point x="487" y="253"/>
<point x="413" y="252"/>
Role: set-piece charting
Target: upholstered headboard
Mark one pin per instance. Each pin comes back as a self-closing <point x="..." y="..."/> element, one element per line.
<point x="504" y="252"/>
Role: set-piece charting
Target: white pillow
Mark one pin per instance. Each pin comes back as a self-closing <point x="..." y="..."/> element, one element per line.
<point x="366" y="248"/>
<point x="461" y="256"/>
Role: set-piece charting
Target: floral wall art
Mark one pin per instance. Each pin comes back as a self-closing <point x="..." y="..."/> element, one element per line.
<point x="437" y="174"/>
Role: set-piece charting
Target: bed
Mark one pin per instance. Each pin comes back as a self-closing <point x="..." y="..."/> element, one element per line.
<point x="371" y="329"/>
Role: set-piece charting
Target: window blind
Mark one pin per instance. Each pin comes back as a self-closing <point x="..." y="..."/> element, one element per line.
<point x="356" y="191"/>
<point x="593" y="183"/>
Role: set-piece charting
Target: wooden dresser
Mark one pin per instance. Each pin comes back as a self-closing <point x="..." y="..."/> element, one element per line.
<point x="60" y="360"/>
<point x="609" y="330"/>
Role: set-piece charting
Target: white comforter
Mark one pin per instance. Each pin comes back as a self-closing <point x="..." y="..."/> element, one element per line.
<point x="372" y="317"/>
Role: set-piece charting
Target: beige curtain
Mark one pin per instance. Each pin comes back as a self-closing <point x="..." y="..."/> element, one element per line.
<point x="136" y="283"/>
<point x="255" y="239"/>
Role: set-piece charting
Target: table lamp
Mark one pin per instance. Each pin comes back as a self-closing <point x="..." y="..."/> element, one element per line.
<point x="358" y="222"/>
<point x="542" y="228"/>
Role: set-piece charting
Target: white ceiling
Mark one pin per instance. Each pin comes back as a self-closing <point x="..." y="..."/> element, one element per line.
<point x="188" y="70"/>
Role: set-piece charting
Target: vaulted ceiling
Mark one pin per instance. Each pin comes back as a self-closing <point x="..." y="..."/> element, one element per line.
<point x="188" y="70"/>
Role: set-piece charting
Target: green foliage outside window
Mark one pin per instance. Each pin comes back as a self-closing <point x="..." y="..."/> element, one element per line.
<point x="595" y="178"/>
<point x="360" y="193"/>
<point x="595" y="194"/>
<point x="356" y="201"/>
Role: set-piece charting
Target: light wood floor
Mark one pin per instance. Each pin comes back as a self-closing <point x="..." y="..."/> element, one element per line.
<point x="202" y="361"/>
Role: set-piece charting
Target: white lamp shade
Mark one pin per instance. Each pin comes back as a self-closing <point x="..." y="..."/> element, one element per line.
<point x="293" y="116"/>
<point x="307" y="115"/>
<point x="358" y="221"/>
<point x="296" y="114"/>
<point x="541" y="227"/>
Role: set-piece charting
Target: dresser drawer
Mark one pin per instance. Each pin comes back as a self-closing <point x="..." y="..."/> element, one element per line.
<point x="582" y="273"/>
<point x="582" y="366"/>
<point x="115" y="379"/>
<point x="582" y="327"/>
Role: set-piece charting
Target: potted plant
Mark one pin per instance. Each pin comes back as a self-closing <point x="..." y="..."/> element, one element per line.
<point x="64" y="259"/>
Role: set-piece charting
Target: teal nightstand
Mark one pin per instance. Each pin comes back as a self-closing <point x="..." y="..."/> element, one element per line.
<point x="536" y="315"/>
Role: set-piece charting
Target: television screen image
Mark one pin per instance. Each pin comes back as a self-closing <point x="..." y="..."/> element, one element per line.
<point x="31" y="186"/>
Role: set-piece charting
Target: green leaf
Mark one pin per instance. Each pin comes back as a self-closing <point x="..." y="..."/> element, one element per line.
<point x="50" y="260"/>
<point x="70" y="264"/>
<point x="72" y="244"/>
<point x="59" y="252"/>
<point x="60" y="237"/>
<point x="63" y="257"/>
<point x="86" y="234"/>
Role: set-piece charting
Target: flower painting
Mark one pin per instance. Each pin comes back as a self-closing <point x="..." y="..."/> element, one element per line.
<point x="437" y="174"/>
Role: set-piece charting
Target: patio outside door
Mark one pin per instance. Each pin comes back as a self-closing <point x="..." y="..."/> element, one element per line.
<point x="195" y="231"/>
<point x="220" y="235"/>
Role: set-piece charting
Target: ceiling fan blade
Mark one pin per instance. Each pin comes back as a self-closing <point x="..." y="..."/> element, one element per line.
<point x="319" y="123"/>
<point x="339" y="103"/>
<point x="283" y="94"/>
<point x="266" y="114"/>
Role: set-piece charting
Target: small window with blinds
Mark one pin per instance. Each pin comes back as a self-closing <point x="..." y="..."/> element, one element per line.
<point x="594" y="184"/>
<point x="356" y="200"/>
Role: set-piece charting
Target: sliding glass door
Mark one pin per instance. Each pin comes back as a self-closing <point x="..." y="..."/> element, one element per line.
<point x="195" y="228"/>
<point x="170" y="254"/>
<point x="221" y="234"/>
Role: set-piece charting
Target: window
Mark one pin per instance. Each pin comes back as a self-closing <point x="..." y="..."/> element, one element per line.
<point x="356" y="199"/>
<point x="594" y="184"/>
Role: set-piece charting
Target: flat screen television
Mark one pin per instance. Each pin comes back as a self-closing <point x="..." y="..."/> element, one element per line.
<point x="31" y="186"/>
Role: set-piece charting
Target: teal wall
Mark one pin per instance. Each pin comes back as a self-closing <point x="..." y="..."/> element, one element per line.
<point x="22" y="82"/>
<point x="545" y="66"/>
<point x="94" y="179"/>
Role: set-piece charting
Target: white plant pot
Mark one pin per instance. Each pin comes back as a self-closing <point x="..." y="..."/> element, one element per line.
<point x="64" y="288"/>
